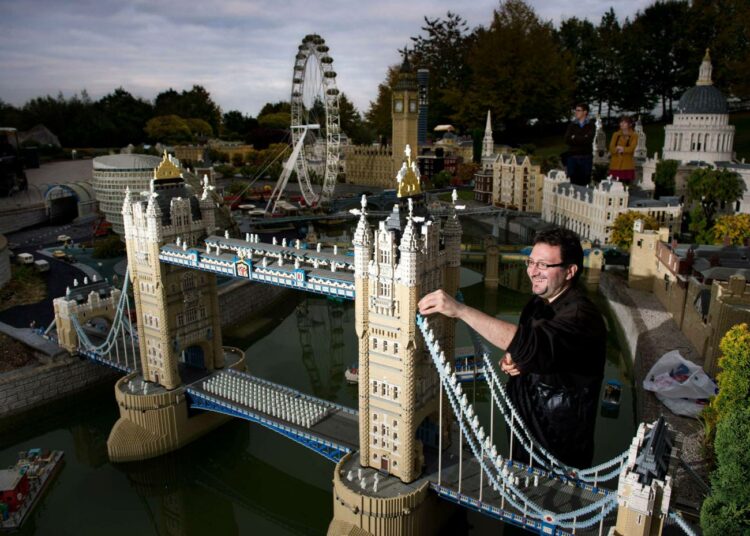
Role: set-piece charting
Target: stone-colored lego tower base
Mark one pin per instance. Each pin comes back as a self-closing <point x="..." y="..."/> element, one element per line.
<point x="361" y="514"/>
<point x="153" y="425"/>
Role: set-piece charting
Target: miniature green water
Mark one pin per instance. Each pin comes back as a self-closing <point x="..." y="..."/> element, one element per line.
<point x="242" y="479"/>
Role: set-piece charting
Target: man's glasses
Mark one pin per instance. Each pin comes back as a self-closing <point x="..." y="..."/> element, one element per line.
<point x="541" y="264"/>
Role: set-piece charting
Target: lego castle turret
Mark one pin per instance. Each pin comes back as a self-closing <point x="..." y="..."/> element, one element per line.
<point x="394" y="267"/>
<point x="177" y="309"/>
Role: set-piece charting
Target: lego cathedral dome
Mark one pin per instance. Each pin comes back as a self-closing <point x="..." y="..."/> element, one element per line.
<point x="702" y="100"/>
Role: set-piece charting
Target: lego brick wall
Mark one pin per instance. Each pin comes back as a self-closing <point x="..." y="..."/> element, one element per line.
<point x="30" y="387"/>
<point x="22" y="217"/>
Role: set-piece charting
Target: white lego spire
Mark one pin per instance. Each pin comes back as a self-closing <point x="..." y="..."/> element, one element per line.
<point x="488" y="144"/>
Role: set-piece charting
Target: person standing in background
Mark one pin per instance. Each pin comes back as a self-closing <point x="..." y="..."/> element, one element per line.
<point x="621" y="149"/>
<point x="580" y="140"/>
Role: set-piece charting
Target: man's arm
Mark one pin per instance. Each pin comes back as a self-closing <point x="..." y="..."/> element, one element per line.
<point x="496" y="331"/>
<point x="569" y="135"/>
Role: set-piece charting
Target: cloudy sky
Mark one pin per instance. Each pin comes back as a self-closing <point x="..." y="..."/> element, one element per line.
<point x="242" y="51"/>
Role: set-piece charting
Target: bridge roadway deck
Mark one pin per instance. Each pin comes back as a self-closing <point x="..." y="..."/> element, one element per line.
<point x="337" y="427"/>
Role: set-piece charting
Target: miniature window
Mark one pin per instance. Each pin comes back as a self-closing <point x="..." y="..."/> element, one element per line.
<point x="395" y="347"/>
<point x="385" y="346"/>
<point x="395" y="393"/>
<point x="382" y="389"/>
<point x="374" y="344"/>
<point x="395" y="422"/>
<point x="375" y="387"/>
<point x="374" y="416"/>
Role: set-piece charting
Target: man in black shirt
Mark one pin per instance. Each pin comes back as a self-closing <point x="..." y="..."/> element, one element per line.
<point x="554" y="356"/>
<point x="580" y="140"/>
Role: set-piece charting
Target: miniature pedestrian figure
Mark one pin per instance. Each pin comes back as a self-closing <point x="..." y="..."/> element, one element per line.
<point x="580" y="140"/>
<point x="621" y="149"/>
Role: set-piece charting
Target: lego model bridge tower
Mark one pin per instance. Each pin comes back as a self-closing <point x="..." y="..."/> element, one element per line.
<point x="397" y="264"/>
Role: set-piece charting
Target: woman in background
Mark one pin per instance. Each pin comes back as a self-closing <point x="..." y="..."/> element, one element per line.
<point x="621" y="149"/>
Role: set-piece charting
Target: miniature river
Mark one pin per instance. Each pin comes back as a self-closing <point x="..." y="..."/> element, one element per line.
<point x="244" y="479"/>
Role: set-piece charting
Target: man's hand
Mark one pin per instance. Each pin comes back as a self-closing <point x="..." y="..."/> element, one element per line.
<point x="508" y="366"/>
<point x="440" y="302"/>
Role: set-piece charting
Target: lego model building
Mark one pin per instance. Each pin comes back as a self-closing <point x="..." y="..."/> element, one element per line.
<point x="395" y="265"/>
<point x="178" y="317"/>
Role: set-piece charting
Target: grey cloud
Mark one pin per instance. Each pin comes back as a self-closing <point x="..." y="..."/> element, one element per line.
<point x="241" y="51"/>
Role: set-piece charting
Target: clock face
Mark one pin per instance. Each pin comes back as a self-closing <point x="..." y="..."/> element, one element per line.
<point x="412" y="105"/>
<point x="398" y="105"/>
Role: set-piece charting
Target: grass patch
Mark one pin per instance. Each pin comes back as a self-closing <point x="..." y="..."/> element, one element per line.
<point x="25" y="287"/>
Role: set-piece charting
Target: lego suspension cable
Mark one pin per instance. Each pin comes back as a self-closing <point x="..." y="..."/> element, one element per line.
<point x="479" y="443"/>
<point x="590" y="475"/>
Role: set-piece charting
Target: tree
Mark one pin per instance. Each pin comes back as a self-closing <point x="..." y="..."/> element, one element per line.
<point x="352" y="123"/>
<point x="732" y="227"/>
<point x="713" y="190"/>
<point x="126" y="116"/>
<point x="734" y="364"/>
<point x="379" y="115"/>
<point x="278" y="120"/>
<point x="466" y="171"/>
<point x="607" y="61"/>
<point x="235" y="125"/>
<point x="702" y="233"/>
<point x="275" y="107"/>
<point x="517" y="70"/>
<point x="441" y="179"/>
<point x="666" y="170"/>
<point x="658" y="35"/>
<point x="578" y="38"/>
<point x="10" y="116"/>
<point x="721" y="25"/>
<point x="443" y="50"/>
<point x="168" y="129"/>
<point x="727" y="509"/>
<point x="622" y="228"/>
<point x="194" y="103"/>
<point x="199" y="128"/>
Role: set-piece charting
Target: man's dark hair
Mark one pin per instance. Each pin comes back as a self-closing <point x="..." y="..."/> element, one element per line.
<point x="570" y="247"/>
<point x="583" y="106"/>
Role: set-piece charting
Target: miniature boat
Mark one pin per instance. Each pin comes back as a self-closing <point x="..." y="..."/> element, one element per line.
<point x="23" y="485"/>
<point x="612" y="394"/>
<point x="352" y="374"/>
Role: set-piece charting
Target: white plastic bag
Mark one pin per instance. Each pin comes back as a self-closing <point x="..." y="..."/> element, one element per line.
<point x="680" y="384"/>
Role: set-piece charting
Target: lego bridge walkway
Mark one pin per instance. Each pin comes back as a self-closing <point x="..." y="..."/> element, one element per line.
<point x="327" y="428"/>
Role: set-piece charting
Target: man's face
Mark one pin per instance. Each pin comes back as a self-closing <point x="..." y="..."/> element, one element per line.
<point x="581" y="114"/>
<point x="549" y="283"/>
